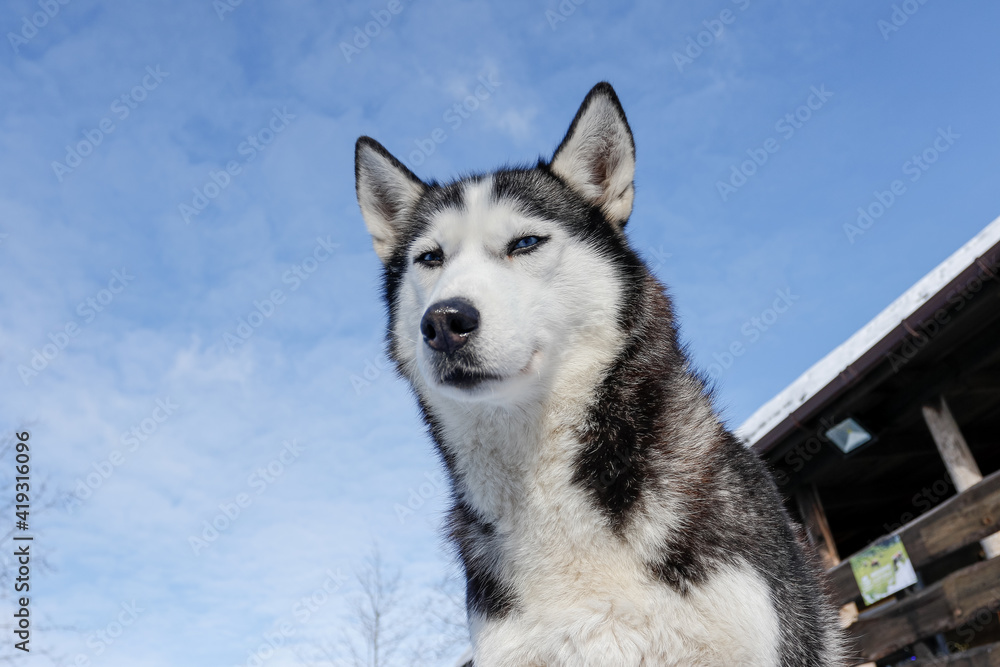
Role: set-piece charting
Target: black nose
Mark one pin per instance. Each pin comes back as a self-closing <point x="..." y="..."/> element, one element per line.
<point x="448" y="324"/>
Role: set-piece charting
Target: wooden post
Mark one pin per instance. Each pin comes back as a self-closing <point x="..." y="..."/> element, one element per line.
<point x="962" y="467"/>
<point x="821" y="538"/>
<point x="816" y="525"/>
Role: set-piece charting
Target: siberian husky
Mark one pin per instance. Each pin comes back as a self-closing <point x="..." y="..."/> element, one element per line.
<point x="603" y="514"/>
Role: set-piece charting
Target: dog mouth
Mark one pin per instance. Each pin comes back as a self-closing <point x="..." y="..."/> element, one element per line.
<point x="461" y="378"/>
<point x="470" y="379"/>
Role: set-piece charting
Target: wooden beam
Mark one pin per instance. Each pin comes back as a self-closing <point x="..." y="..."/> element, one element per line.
<point x="982" y="656"/>
<point x="958" y="459"/>
<point x="942" y="606"/>
<point x="957" y="456"/>
<point x="958" y="521"/>
<point x="821" y="538"/>
<point x="817" y="527"/>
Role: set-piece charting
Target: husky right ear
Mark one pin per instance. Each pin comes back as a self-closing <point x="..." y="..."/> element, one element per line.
<point x="387" y="194"/>
<point x="597" y="157"/>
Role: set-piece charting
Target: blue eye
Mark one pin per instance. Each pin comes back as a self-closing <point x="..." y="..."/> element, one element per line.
<point x="525" y="243"/>
<point x="431" y="258"/>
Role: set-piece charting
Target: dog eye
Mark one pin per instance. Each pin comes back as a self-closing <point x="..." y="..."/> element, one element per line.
<point x="430" y="258"/>
<point x="525" y="244"/>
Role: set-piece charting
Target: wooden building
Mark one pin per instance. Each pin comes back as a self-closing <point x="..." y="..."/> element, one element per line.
<point x="920" y="385"/>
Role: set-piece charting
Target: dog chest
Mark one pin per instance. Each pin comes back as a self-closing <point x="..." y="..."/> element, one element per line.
<point x="615" y="618"/>
<point x="585" y="596"/>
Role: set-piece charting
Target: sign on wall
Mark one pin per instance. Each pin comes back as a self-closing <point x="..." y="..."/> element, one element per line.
<point x="882" y="569"/>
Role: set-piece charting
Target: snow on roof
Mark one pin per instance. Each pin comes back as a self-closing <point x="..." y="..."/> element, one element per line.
<point x="829" y="367"/>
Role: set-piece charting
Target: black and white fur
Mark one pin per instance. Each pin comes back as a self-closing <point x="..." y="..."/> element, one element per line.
<point x="603" y="514"/>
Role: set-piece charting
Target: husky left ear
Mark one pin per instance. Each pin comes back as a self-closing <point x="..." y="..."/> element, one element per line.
<point x="597" y="157"/>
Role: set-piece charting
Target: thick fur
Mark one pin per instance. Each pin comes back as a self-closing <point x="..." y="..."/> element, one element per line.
<point x="603" y="514"/>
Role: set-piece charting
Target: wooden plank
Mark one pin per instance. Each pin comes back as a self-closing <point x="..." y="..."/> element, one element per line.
<point x="960" y="520"/>
<point x="943" y="606"/>
<point x="957" y="457"/>
<point x="982" y="656"/>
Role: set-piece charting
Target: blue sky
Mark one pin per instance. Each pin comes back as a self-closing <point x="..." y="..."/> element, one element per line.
<point x="150" y="108"/>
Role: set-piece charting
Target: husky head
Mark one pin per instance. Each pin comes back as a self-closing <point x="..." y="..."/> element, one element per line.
<point x="504" y="286"/>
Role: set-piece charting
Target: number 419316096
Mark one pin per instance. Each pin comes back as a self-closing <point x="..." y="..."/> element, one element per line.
<point x="23" y="469"/>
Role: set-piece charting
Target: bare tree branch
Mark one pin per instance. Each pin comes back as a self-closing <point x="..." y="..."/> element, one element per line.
<point x="446" y="617"/>
<point x="380" y="630"/>
<point x="387" y="627"/>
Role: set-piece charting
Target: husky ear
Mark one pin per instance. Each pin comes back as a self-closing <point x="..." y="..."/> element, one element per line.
<point x="597" y="157"/>
<point x="387" y="193"/>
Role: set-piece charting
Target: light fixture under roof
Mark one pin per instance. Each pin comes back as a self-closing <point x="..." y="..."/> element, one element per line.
<point x="848" y="435"/>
